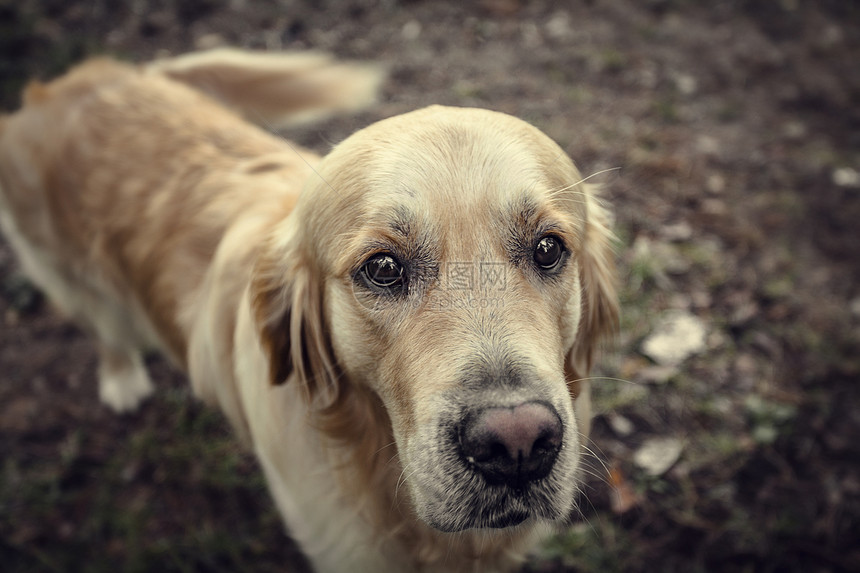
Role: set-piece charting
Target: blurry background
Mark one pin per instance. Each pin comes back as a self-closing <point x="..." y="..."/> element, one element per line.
<point x="727" y="431"/>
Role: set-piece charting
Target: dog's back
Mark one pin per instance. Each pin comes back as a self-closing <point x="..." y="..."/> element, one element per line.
<point x="118" y="184"/>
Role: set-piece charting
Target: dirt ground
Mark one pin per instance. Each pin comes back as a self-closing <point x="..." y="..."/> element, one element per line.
<point x="732" y="134"/>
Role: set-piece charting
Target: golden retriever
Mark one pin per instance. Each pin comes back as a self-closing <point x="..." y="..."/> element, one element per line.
<point x="401" y="330"/>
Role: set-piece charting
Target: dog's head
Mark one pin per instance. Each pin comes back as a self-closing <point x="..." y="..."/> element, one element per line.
<point x="451" y="264"/>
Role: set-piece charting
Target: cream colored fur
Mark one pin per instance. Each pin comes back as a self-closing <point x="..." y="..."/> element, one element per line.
<point x="160" y="220"/>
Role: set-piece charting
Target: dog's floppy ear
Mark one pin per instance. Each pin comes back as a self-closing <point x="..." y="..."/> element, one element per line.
<point x="287" y="305"/>
<point x="600" y="312"/>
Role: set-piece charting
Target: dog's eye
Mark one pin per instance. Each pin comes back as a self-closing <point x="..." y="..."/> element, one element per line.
<point x="548" y="252"/>
<point x="383" y="271"/>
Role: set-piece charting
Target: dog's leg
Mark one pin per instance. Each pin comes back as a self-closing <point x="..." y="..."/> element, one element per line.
<point x="123" y="380"/>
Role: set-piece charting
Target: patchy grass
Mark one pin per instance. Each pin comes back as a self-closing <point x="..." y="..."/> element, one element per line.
<point x="156" y="499"/>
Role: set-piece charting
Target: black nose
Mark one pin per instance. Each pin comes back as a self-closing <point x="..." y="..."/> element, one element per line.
<point x="512" y="445"/>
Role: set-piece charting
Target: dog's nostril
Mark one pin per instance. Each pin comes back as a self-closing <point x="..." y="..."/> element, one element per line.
<point x="496" y="450"/>
<point x="512" y="445"/>
<point x="544" y="443"/>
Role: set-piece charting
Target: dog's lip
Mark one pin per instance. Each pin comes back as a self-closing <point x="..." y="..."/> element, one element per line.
<point x="511" y="518"/>
<point x="511" y="510"/>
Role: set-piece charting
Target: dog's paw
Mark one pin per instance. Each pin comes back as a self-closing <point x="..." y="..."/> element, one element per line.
<point x="123" y="390"/>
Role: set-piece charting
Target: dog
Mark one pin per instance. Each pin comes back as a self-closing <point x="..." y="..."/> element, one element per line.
<point x="402" y="330"/>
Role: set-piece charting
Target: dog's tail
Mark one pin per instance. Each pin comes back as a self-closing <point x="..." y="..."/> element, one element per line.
<point x="276" y="89"/>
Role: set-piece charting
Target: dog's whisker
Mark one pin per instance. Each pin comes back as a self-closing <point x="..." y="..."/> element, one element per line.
<point x="403" y="478"/>
<point x="594" y="452"/>
<point x="536" y="182"/>
<point x="603" y="378"/>
<point x="600" y="476"/>
<point x="583" y="180"/>
<point x="388" y="445"/>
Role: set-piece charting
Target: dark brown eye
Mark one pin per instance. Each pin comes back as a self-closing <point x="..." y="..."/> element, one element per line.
<point x="548" y="252"/>
<point x="383" y="271"/>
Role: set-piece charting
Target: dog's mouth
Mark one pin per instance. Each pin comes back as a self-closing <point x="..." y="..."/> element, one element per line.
<point x="489" y="520"/>
<point x="474" y="482"/>
<point x="511" y="520"/>
<point x="492" y="507"/>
